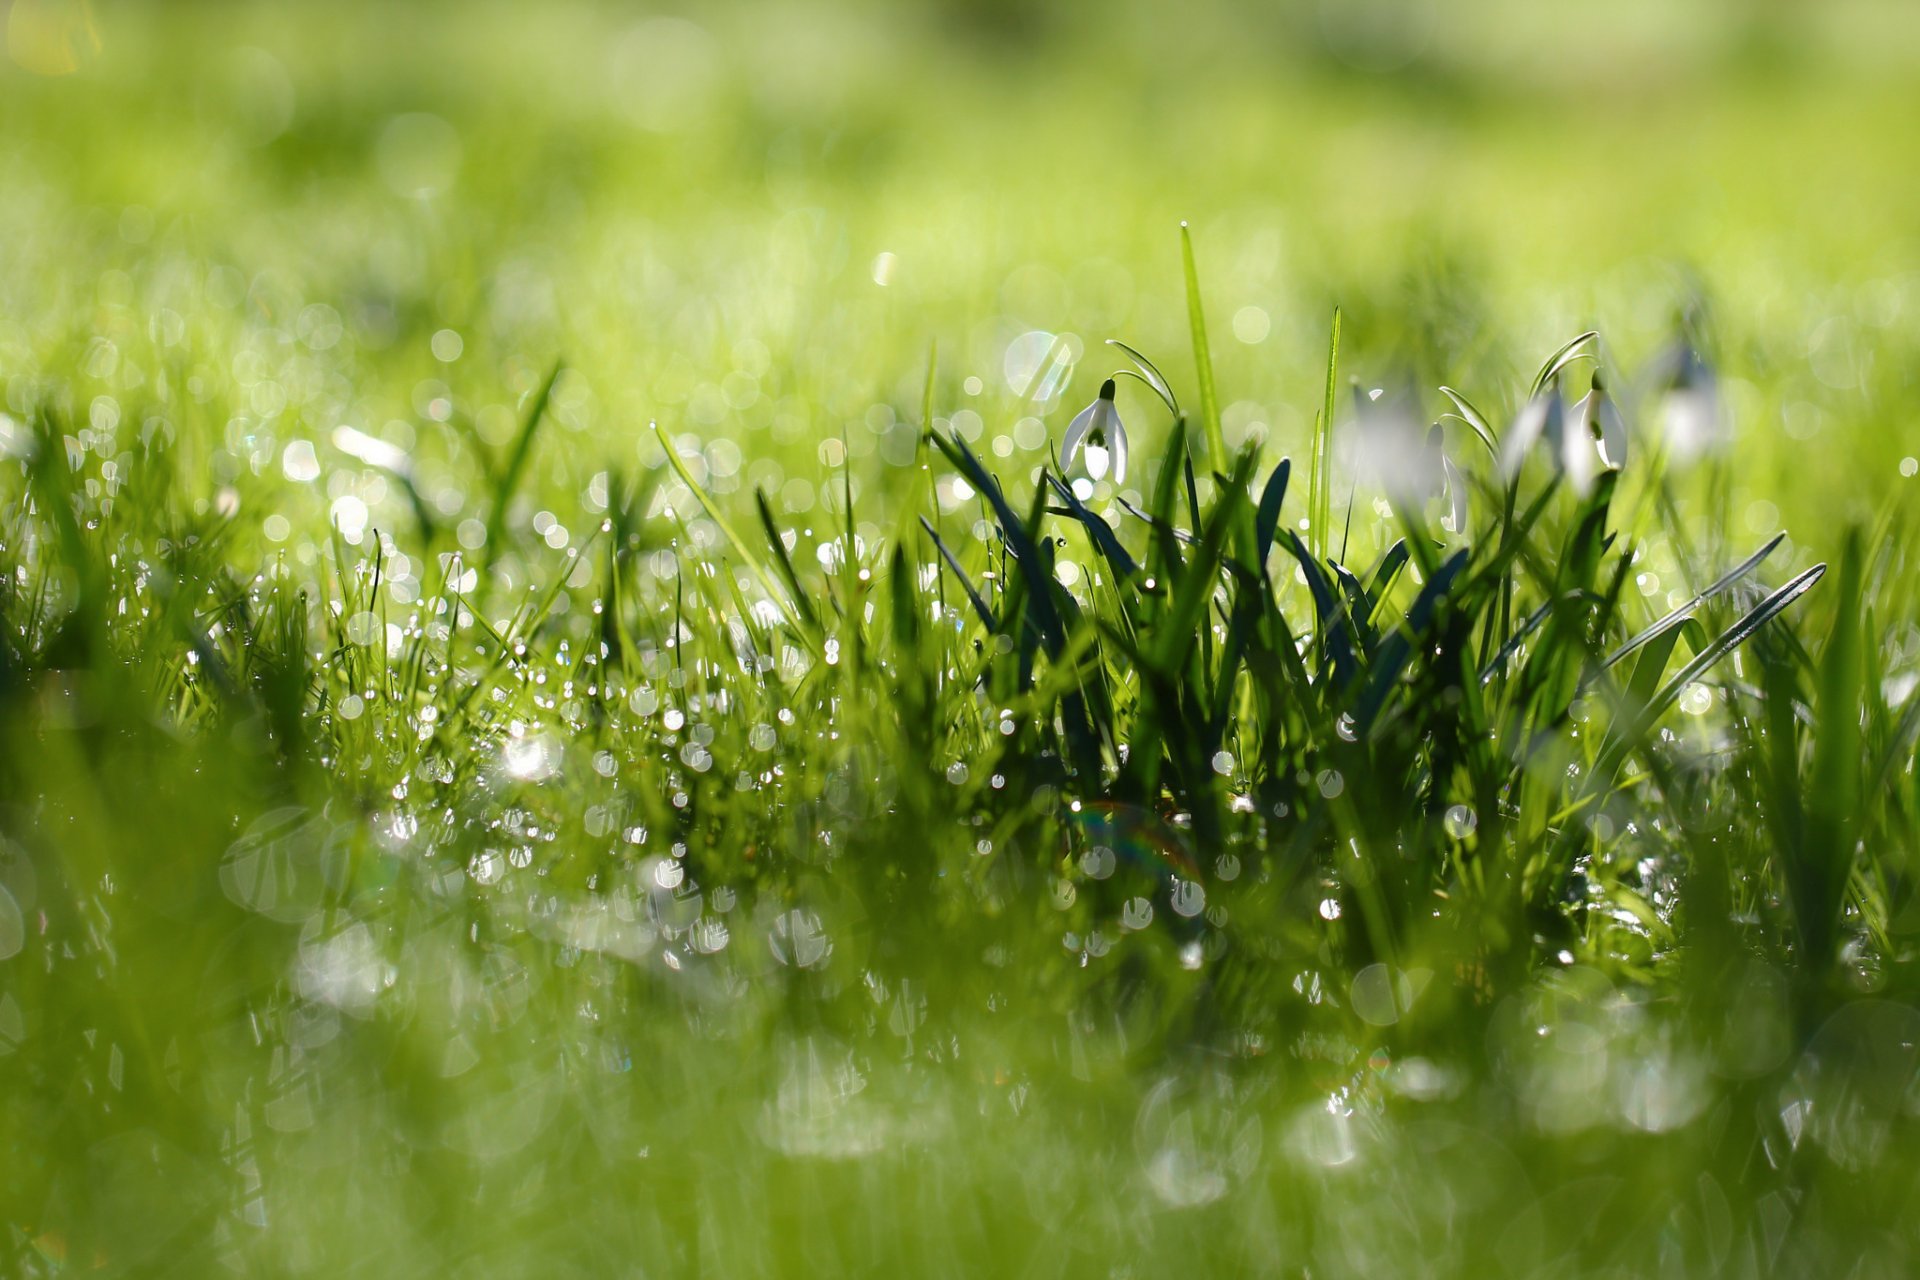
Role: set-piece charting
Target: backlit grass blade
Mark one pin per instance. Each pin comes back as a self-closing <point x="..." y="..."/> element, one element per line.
<point x="1817" y="877"/>
<point x="1559" y="360"/>
<point x="1475" y="420"/>
<point x="801" y="603"/>
<point x="1320" y="461"/>
<point x="1150" y="375"/>
<point x="1202" y="354"/>
<point x="508" y="481"/>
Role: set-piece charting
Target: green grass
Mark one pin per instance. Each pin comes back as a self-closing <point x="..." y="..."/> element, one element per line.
<point x="574" y="723"/>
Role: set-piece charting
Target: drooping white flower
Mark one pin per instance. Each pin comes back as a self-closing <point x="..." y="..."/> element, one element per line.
<point x="1595" y="422"/>
<point x="1691" y="414"/>
<point x="1539" y="419"/>
<point x="1098" y="430"/>
<point x="1582" y="441"/>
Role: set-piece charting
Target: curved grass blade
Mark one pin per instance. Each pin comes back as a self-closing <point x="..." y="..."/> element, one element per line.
<point x="1559" y="360"/>
<point x="966" y="584"/>
<point x="1385" y="572"/>
<point x="1475" y="420"/>
<point x="1018" y="539"/>
<point x="1156" y="524"/>
<point x="1148" y="374"/>
<point x="1359" y="606"/>
<point x="1396" y="651"/>
<point x="1337" y="645"/>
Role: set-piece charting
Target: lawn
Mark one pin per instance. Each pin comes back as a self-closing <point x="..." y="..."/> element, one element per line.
<point x="582" y="691"/>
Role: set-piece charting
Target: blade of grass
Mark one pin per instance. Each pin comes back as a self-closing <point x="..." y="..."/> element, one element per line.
<point x="1320" y="462"/>
<point x="809" y="634"/>
<point x="508" y="480"/>
<point x="1202" y="354"/>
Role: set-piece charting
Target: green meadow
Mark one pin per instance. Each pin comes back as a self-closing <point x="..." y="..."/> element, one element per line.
<point x="954" y="638"/>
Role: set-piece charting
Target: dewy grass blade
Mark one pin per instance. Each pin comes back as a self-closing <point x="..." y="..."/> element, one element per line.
<point x="808" y="634"/>
<point x="1097" y="529"/>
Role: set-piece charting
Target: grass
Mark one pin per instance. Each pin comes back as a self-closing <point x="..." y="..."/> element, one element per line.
<point x="489" y="787"/>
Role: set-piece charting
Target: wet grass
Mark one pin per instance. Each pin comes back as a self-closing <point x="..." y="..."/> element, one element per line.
<point x="467" y="809"/>
<point x="1055" y="854"/>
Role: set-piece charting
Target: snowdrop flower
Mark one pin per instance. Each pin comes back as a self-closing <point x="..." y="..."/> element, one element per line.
<point x="1097" y="429"/>
<point x="1582" y="441"/>
<point x="1410" y="465"/>
<point x="1597" y="418"/>
<point x="1690" y="408"/>
<point x="1540" y="420"/>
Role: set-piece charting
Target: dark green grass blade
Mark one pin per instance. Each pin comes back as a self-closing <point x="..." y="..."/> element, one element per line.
<point x="979" y="604"/>
<point x="1097" y="529"/>
<point x="1396" y="651"/>
<point x="802" y="605"/>
<point x="1038" y="580"/>
<point x="1186" y="620"/>
<point x="1335" y="644"/>
<point x="1268" y="518"/>
<point x="1359" y="607"/>
<point x="1158" y="525"/>
<point x="1386" y="572"/>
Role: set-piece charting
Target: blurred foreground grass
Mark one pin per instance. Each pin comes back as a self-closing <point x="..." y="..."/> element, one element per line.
<point x="440" y="835"/>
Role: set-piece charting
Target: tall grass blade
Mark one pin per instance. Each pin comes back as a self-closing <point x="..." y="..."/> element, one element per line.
<point x="508" y="481"/>
<point x="1202" y="353"/>
<point x="1320" y="462"/>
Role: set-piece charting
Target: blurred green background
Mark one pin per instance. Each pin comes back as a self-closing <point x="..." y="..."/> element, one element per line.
<point x="752" y="223"/>
<point x="803" y="197"/>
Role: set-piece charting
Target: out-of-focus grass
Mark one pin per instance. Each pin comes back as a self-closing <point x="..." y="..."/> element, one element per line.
<point x="416" y="859"/>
